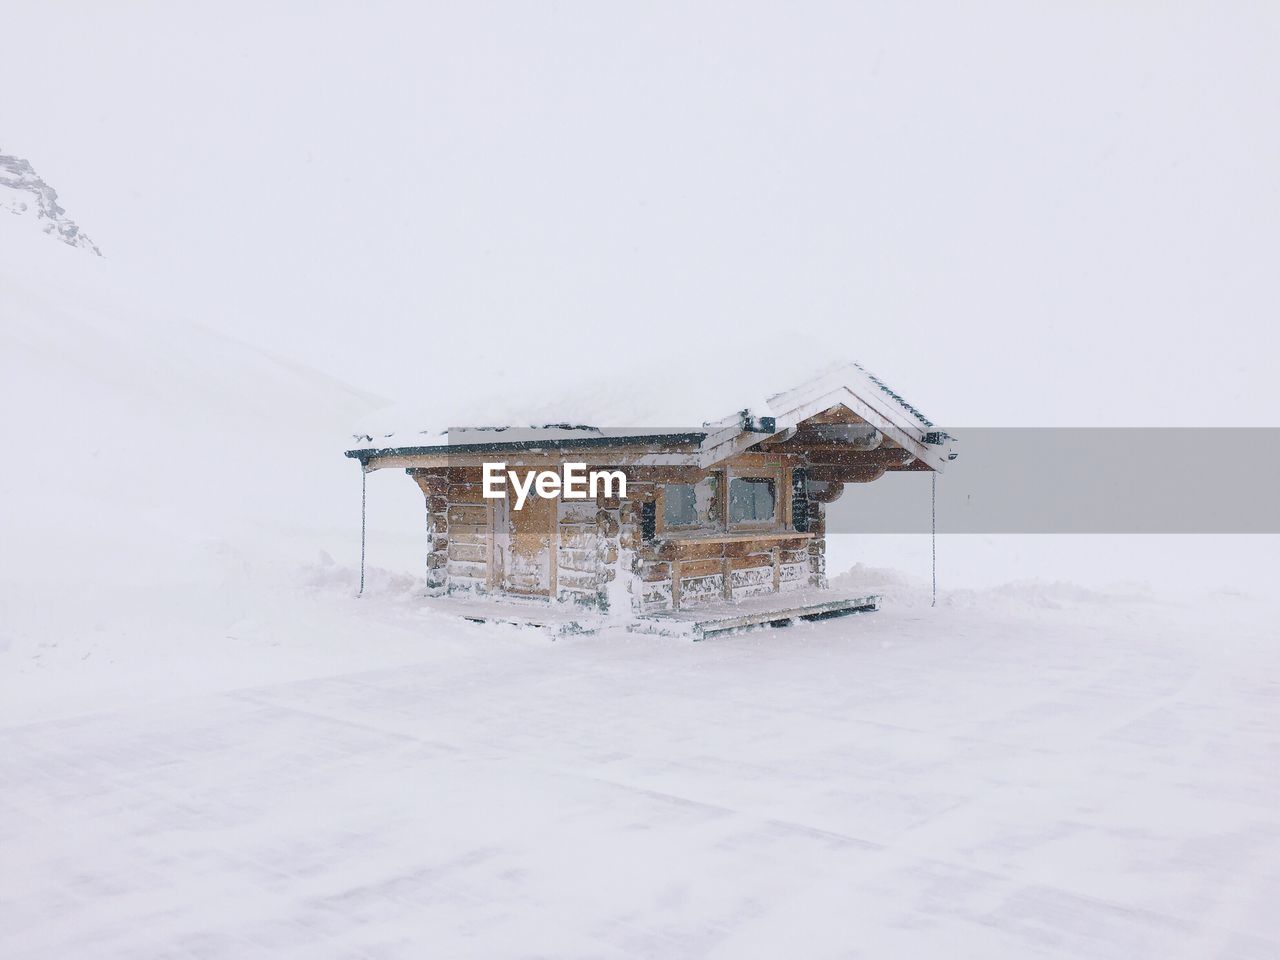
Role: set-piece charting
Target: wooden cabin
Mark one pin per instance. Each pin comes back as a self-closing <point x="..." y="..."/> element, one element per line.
<point x="721" y="524"/>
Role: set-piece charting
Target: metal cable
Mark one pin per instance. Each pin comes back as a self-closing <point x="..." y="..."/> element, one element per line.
<point x="364" y="484"/>
<point x="933" y="534"/>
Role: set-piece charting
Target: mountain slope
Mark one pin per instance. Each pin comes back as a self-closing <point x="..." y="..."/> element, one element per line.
<point x="165" y="485"/>
<point x="24" y="193"/>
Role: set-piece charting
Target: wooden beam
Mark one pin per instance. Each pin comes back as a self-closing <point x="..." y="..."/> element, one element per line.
<point x="831" y="493"/>
<point x="888" y="457"/>
<point x="840" y="474"/>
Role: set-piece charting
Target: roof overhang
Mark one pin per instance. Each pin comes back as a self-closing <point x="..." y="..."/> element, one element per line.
<point x="367" y="454"/>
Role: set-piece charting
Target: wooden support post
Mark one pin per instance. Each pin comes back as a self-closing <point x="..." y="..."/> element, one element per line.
<point x="675" y="584"/>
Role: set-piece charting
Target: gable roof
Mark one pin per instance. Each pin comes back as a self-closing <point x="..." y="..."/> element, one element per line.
<point x="849" y="384"/>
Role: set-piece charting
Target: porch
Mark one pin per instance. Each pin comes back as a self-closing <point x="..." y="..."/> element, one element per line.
<point x="714" y="619"/>
<point x="694" y="623"/>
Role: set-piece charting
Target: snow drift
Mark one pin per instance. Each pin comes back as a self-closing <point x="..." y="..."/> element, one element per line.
<point x="163" y="482"/>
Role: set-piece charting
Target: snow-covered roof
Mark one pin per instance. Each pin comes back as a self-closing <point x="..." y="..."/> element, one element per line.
<point x="616" y="411"/>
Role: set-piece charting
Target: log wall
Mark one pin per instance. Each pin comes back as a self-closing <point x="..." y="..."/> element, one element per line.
<point x="601" y="557"/>
<point x="672" y="574"/>
<point x="587" y="552"/>
<point x="435" y="486"/>
<point x="458" y="541"/>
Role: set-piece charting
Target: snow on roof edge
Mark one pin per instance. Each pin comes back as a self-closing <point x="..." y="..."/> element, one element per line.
<point x="849" y="374"/>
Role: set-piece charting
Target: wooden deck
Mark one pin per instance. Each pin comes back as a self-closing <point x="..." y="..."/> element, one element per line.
<point x="714" y="619"/>
<point x="695" y="623"/>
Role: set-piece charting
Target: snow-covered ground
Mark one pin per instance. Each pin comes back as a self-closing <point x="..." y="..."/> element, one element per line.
<point x="1028" y="772"/>
<point x="209" y="747"/>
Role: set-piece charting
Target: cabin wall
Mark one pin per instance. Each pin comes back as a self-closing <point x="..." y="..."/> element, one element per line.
<point x="816" y="550"/>
<point x="468" y="515"/>
<point x="601" y="558"/>
<point x="435" y="485"/>
<point x="464" y="555"/>
<point x="670" y="573"/>
<point x="458" y="538"/>
<point x="588" y="551"/>
<point x="648" y="579"/>
<point x="687" y="574"/>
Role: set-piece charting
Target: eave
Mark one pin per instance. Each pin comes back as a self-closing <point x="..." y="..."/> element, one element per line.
<point x="524" y="446"/>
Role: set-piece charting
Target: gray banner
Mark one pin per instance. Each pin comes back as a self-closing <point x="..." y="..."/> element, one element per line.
<point x="1085" y="480"/>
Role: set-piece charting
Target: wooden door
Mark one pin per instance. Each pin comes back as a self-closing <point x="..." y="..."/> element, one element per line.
<point x="529" y="562"/>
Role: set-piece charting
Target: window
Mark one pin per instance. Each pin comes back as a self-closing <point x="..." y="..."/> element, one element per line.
<point x="679" y="505"/>
<point x="688" y="504"/>
<point x="752" y="499"/>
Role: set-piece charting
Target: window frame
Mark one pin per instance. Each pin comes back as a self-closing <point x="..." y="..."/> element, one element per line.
<point x="718" y="524"/>
<point x="773" y="473"/>
<point x="712" y="525"/>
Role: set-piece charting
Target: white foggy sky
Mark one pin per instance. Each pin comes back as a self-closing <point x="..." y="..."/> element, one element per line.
<point x="1021" y="214"/>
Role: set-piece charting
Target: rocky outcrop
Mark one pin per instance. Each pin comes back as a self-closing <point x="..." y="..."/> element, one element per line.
<point x="24" y="193"/>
